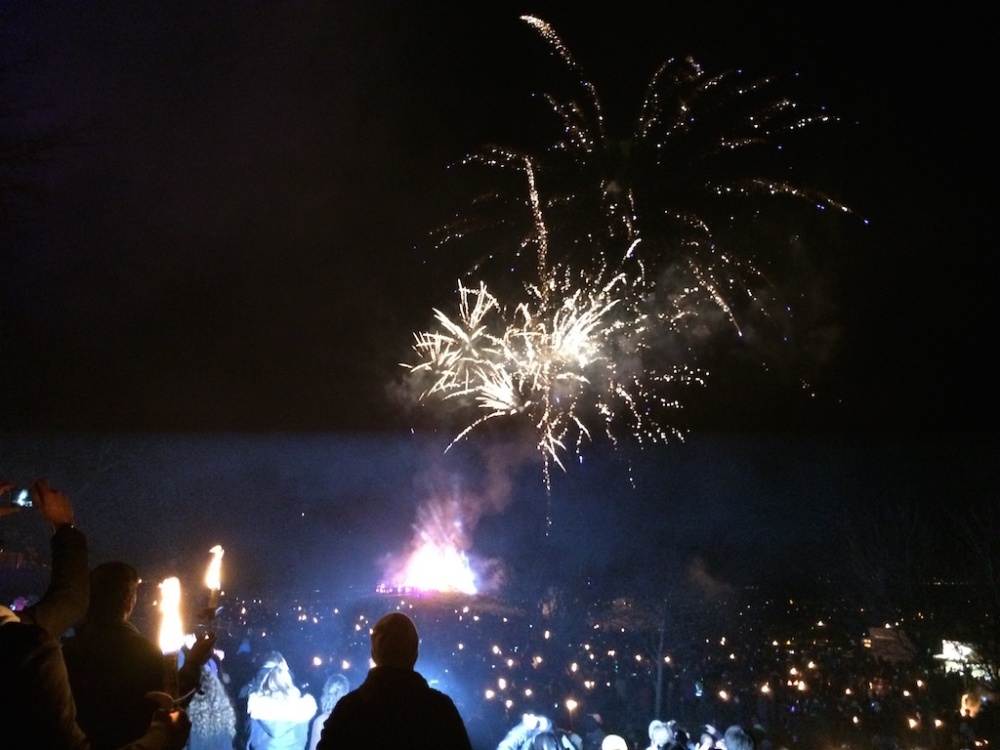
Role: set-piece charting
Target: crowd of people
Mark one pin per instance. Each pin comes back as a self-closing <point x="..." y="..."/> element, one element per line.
<point x="540" y="733"/>
<point x="79" y="674"/>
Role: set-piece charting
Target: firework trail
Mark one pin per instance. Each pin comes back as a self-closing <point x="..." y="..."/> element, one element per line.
<point x="626" y="254"/>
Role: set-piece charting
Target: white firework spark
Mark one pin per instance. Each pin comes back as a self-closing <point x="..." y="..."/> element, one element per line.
<point x="618" y="247"/>
<point x="556" y="360"/>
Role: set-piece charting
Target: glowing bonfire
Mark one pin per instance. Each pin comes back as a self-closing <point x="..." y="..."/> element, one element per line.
<point x="434" y="567"/>
<point x="438" y="559"/>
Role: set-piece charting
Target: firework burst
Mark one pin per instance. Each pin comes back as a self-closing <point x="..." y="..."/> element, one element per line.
<point x="567" y="358"/>
<point x="625" y="255"/>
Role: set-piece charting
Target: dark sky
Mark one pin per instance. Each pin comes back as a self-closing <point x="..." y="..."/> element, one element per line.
<point x="231" y="231"/>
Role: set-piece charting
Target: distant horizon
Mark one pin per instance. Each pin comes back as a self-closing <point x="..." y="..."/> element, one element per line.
<point x="333" y="509"/>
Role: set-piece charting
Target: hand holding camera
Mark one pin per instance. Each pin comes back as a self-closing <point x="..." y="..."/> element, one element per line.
<point x="53" y="504"/>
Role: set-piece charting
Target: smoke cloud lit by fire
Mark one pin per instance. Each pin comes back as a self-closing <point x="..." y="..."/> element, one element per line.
<point x="439" y="557"/>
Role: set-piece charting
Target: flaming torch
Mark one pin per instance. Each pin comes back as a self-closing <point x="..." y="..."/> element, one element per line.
<point x="213" y="579"/>
<point x="171" y="633"/>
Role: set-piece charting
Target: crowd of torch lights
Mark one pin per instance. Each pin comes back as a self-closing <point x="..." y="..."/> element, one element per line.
<point x="794" y="667"/>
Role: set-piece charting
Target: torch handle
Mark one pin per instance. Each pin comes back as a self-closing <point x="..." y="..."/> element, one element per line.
<point x="171" y="679"/>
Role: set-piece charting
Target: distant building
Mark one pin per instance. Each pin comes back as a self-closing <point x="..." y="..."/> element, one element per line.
<point x="890" y="645"/>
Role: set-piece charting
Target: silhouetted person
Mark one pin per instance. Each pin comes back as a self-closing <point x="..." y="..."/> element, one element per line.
<point x="112" y="666"/>
<point x="591" y="729"/>
<point x="37" y="708"/>
<point x="394" y="707"/>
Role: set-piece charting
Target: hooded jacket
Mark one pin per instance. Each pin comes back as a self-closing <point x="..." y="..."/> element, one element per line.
<point x="278" y="722"/>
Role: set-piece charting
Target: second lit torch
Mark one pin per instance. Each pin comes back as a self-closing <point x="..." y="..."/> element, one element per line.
<point x="213" y="579"/>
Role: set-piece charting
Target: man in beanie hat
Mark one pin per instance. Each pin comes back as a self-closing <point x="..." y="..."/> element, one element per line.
<point x="394" y="707"/>
<point x="395" y="642"/>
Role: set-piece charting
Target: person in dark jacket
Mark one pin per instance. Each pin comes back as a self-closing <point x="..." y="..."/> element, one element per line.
<point x="37" y="709"/>
<point x="394" y="707"/>
<point x="112" y="666"/>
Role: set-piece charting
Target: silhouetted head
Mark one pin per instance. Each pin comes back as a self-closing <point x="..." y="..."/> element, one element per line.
<point x="395" y="641"/>
<point x="113" y="589"/>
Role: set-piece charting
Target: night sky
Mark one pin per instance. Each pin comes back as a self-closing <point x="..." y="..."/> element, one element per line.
<point x="229" y="234"/>
<point x="232" y="230"/>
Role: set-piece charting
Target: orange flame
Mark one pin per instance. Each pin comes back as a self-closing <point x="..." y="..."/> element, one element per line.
<point x="171" y="629"/>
